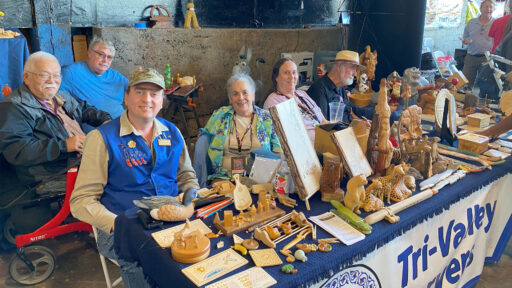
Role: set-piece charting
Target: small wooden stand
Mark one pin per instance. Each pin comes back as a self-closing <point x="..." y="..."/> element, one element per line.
<point x="261" y="216"/>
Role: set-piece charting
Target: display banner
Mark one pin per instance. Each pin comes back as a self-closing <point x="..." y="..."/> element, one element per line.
<point x="447" y="250"/>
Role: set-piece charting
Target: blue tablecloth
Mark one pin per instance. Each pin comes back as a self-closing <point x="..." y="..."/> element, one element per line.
<point x="13" y="54"/>
<point x="135" y="243"/>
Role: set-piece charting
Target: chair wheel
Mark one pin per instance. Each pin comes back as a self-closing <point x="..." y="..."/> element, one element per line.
<point x="42" y="259"/>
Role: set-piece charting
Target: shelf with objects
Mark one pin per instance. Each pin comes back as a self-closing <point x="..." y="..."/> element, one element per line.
<point x="180" y="101"/>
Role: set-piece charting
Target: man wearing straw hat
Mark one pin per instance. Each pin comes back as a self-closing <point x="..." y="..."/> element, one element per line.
<point x="329" y="88"/>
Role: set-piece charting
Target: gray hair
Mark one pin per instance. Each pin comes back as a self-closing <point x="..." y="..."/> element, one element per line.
<point x="98" y="40"/>
<point x="39" y="55"/>
<point x="240" y="77"/>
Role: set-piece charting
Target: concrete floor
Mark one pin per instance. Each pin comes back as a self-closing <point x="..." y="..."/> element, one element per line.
<point x="78" y="265"/>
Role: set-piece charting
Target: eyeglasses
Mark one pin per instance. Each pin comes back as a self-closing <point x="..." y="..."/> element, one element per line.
<point x="103" y="55"/>
<point x="45" y="75"/>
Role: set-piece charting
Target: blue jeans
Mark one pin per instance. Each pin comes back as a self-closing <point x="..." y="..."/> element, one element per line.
<point x="131" y="272"/>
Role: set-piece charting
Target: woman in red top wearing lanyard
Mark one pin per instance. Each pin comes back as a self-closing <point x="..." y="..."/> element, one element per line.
<point x="284" y="78"/>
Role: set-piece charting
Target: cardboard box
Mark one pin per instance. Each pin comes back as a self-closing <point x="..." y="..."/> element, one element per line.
<point x="79" y="47"/>
<point x="479" y="120"/>
<point x="473" y="143"/>
<point x="323" y="141"/>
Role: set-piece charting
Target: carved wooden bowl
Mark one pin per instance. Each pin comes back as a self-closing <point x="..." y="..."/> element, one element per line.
<point x="361" y="99"/>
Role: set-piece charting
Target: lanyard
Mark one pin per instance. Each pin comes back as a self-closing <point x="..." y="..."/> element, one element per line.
<point x="305" y="107"/>
<point x="55" y="107"/>
<point x="238" y="140"/>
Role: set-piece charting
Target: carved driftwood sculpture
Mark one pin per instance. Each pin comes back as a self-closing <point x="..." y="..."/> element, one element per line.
<point x="384" y="147"/>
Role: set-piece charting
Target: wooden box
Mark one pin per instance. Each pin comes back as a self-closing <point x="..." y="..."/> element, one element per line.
<point x="473" y="143"/>
<point x="479" y="120"/>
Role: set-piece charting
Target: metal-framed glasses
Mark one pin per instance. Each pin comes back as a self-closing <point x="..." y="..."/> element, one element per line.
<point x="44" y="76"/>
<point x="103" y="55"/>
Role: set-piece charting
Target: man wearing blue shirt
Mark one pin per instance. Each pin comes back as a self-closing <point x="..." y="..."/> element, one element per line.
<point x="94" y="81"/>
<point x="476" y="37"/>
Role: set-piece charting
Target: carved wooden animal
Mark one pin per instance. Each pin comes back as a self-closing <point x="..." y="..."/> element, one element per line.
<point x="355" y="193"/>
<point x="399" y="190"/>
<point x="388" y="181"/>
<point x="371" y="201"/>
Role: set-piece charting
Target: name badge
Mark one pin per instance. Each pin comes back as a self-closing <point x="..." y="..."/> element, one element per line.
<point x="164" y="142"/>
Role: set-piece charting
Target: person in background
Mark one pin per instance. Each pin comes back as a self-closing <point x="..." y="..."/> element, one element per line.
<point x="238" y="129"/>
<point x="40" y="125"/>
<point x="476" y="38"/>
<point x="40" y="137"/>
<point x="94" y="81"/>
<point x="133" y="156"/>
<point x="499" y="28"/>
<point x="330" y="89"/>
<point x="284" y="78"/>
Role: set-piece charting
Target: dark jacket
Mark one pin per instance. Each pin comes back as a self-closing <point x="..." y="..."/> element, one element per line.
<point x="33" y="139"/>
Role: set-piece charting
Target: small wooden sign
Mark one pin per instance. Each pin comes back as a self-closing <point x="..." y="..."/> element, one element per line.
<point x="298" y="149"/>
<point x="165" y="237"/>
<point x="254" y="277"/>
<point x="214" y="267"/>
<point x="265" y="257"/>
<point x="353" y="158"/>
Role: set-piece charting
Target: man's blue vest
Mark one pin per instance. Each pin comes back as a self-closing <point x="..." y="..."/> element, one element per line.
<point x="131" y="174"/>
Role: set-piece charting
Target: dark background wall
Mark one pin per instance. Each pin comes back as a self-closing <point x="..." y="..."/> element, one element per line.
<point x="210" y="13"/>
<point x="393" y="28"/>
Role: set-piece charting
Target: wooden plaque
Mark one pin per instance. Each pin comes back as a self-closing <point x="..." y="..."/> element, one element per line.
<point x="214" y="267"/>
<point x="165" y="237"/>
<point x="298" y="149"/>
<point x="353" y="158"/>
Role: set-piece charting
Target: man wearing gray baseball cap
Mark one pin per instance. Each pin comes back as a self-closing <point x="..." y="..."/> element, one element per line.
<point x="133" y="156"/>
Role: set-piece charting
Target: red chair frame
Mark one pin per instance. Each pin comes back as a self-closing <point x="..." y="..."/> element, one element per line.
<point x="53" y="228"/>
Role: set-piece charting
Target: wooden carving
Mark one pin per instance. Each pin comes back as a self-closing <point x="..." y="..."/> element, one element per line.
<point x="371" y="201"/>
<point x="241" y="195"/>
<point x="384" y="147"/>
<point x="371" y="146"/>
<point x="411" y="120"/>
<point x="355" y="193"/>
<point x="369" y="59"/>
<point x="399" y="190"/>
<point x="330" y="182"/>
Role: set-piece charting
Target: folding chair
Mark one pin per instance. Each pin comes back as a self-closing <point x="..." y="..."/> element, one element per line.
<point x="110" y="284"/>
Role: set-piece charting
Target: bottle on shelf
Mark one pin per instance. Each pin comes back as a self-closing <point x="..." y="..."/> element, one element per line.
<point x="167" y="76"/>
<point x="6" y="90"/>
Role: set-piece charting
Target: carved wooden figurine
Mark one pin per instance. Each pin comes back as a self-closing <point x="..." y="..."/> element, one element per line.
<point x="387" y="183"/>
<point x="355" y="193"/>
<point x="369" y="59"/>
<point x="371" y="201"/>
<point x="399" y="190"/>
<point x="384" y="147"/>
<point x="330" y="182"/>
<point x="411" y="120"/>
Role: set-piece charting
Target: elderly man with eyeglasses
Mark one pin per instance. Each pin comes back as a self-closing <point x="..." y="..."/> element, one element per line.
<point x="41" y="126"/>
<point x="94" y="81"/>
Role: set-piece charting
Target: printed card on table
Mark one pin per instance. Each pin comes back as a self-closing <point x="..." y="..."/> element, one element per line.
<point x="338" y="228"/>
